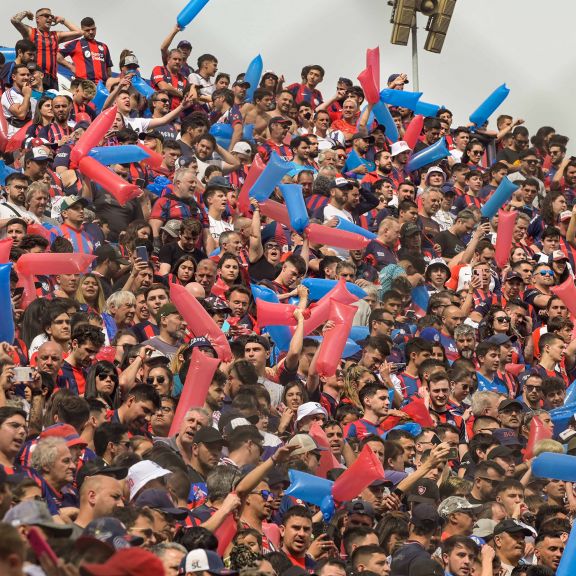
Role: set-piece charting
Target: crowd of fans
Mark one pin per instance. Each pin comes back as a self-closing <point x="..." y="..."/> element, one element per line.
<point x="93" y="482"/>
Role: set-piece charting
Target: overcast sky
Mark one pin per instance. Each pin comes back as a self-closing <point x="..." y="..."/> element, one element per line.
<point x="528" y="44"/>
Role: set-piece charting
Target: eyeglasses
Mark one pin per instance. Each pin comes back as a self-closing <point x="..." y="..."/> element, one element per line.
<point x="387" y="322"/>
<point x="264" y="493"/>
<point x="163" y="100"/>
<point x="19" y="187"/>
<point x="477" y="152"/>
<point x="532" y="387"/>
<point x="502" y="319"/>
<point x="546" y="273"/>
<point x="159" y="379"/>
<point x="165" y="409"/>
<point x="531" y="161"/>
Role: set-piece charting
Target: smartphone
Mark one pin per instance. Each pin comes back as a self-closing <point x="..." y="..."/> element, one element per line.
<point x="39" y="545"/>
<point x="398" y="367"/>
<point x="17" y="292"/>
<point x="23" y="374"/>
<point x="453" y="454"/>
<point x="142" y="253"/>
<point x="484" y="220"/>
<point x="435" y="440"/>
<point x="140" y="182"/>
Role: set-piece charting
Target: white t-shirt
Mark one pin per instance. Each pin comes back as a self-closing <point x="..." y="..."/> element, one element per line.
<point x="329" y="212"/>
<point x="218" y="226"/>
<point x="207" y="86"/>
<point x="137" y="124"/>
<point x="9" y="98"/>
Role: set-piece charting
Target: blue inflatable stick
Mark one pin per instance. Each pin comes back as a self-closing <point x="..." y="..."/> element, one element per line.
<point x="319" y="287"/>
<point x="501" y="195"/>
<point x="568" y="560"/>
<point x="142" y="86"/>
<point x="253" y="73"/>
<point x="400" y="98"/>
<point x="429" y="155"/>
<point x="101" y="96"/>
<point x="348" y="226"/>
<point x="426" y="109"/>
<point x="350" y="348"/>
<point x="359" y="333"/>
<point x="383" y="117"/>
<point x="280" y="334"/>
<point x="555" y="466"/>
<point x="487" y="108"/>
<point x="9" y="53"/>
<point x="271" y="176"/>
<point x="292" y="194"/>
<point x="7" y="324"/>
<point x="5" y="171"/>
<point x="223" y="134"/>
<point x="307" y="487"/>
<point x="189" y="12"/>
<point x="125" y="154"/>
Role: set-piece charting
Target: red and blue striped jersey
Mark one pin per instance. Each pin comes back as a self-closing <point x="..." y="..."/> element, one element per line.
<point x="302" y="93"/>
<point x="55" y="132"/>
<point x="73" y="379"/>
<point x="81" y="241"/>
<point x="315" y="202"/>
<point x="171" y="207"/>
<point x="178" y="81"/>
<point x="91" y="58"/>
<point x="55" y="500"/>
<point x="361" y="428"/>
<point x="265" y="150"/>
<point x="46" y="50"/>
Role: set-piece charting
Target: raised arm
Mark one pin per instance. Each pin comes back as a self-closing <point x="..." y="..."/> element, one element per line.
<point x="165" y="46"/>
<point x="24" y="29"/>
<point x="255" y="248"/>
<point x="73" y="30"/>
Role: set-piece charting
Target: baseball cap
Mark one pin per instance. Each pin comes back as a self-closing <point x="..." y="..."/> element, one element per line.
<point x="64" y="431"/>
<point x="409" y="229"/>
<point x="208" y="435"/>
<point x="511" y="527"/>
<point x="425" y="513"/>
<point x="360" y="507"/>
<point x="438" y="262"/>
<point x="500" y="339"/>
<point x="393" y="77"/>
<point x="424" y="490"/>
<point x="158" y="499"/>
<point x="399" y="147"/>
<point x="512" y="275"/>
<point x="241" y="82"/>
<point x="454" y="504"/>
<point x="128" y="562"/>
<point x="242" y="148"/>
<point x="109" y="531"/>
<point x="304" y="443"/>
<point x="151" y="134"/>
<point x="558" y="255"/>
<point x="214" y="304"/>
<point x="309" y="409"/>
<point x="278" y="120"/>
<point x="218" y="182"/>
<point x="205" y="561"/>
<point x="131" y="60"/>
<point x="200" y="342"/>
<point x="95" y="468"/>
<point x="172" y="227"/>
<point x="108" y="252"/>
<point x="184" y="44"/>
<point x="505" y="404"/>
<point x="35" y="513"/>
<point x="342" y="183"/>
<point x="500" y="452"/>
<point x="484" y="528"/>
<point x="166" y="310"/>
<point x="506" y="436"/>
<point x="143" y="472"/>
<point x="430" y="334"/>
<point x="38" y="154"/>
<point x="69" y="201"/>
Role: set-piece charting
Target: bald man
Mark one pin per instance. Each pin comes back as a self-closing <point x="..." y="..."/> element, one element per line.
<point x="99" y="496"/>
<point x="196" y="289"/>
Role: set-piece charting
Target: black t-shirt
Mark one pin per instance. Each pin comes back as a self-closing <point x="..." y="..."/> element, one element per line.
<point x="404" y="556"/>
<point x="117" y="216"/>
<point x="450" y="244"/>
<point x="508" y="155"/>
<point x="171" y="253"/>
<point x="262" y="270"/>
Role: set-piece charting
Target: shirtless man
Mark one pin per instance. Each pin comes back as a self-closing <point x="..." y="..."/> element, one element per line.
<point x="258" y="113"/>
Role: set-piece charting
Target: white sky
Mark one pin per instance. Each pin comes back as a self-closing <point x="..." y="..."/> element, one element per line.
<point x="529" y="44"/>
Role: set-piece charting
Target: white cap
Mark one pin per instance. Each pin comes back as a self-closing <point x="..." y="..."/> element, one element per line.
<point x="143" y="472"/>
<point x="434" y="169"/>
<point x="399" y="147"/>
<point x="242" y="148"/>
<point x="304" y="443"/>
<point x="309" y="409"/>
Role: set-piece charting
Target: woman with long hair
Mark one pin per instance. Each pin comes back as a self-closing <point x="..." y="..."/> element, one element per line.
<point x="183" y="270"/>
<point x="90" y="294"/>
<point x="355" y="378"/>
<point x="553" y="204"/>
<point x="43" y="115"/>
<point x="472" y="155"/>
<point x="137" y="230"/>
<point x="541" y="139"/>
<point x="294" y="396"/>
<point x="228" y="271"/>
<point x="102" y="382"/>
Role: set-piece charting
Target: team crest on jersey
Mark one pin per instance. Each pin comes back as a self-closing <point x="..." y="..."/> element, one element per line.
<point x="87" y="53"/>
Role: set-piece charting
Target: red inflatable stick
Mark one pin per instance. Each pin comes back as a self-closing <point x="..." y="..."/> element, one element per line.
<point x="225" y="533"/>
<point x="121" y="190"/>
<point x="413" y="130"/>
<point x="93" y="136"/>
<point x="278" y="212"/>
<point x="373" y="61"/>
<point x="5" y="247"/>
<point x="254" y="172"/>
<point x="327" y="459"/>
<point x="567" y="293"/>
<point x="321" y="311"/>
<point x="275" y="314"/>
<point x="48" y="264"/>
<point x="3" y="131"/>
<point x="418" y="412"/>
<point x="366" y="79"/>
<point x="200" y="323"/>
<point x="29" y="294"/>
<point x="538" y="431"/>
<point x="154" y="160"/>
<point x="106" y="353"/>
<point x="365" y="470"/>
<point x="39" y="230"/>
<point x="335" y="338"/>
<point x="17" y="139"/>
<point x="198" y="380"/>
<point x="319" y="234"/>
<point x="506" y="223"/>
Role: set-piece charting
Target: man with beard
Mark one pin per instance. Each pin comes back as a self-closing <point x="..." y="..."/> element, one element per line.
<point x="361" y="142"/>
<point x="432" y="129"/>
<point x="383" y="161"/>
<point x="188" y="232"/>
<point x="347" y="122"/>
<point x="300" y="146"/>
<point x="549" y="549"/>
<point x="565" y="178"/>
<point x="137" y="409"/>
<point x="451" y="318"/>
<point x="399" y="154"/>
<point x="59" y="131"/>
<point x="459" y="554"/>
<point x="296" y="531"/>
<point x="284" y="103"/>
<point x="529" y="168"/>
<point x="278" y="128"/>
<point x="86" y="343"/>
<point x="557" y="152"/>
<point x="465" y="338"/>
<point x="16" y="185"/>
<point x="204" y="148"/>
<point x="170" y="331"/>
<point x="257" y="509"/>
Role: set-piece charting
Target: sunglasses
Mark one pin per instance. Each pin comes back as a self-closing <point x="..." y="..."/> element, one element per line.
<point x="106" y="375"/>
<point x="264" y="493"/>
<point x="531" y="161"/>
<point x="503" y="319"/>
<point x="159" y="379"/>
<point x="490" y="480"/>
<point x="532" y="387"/>
<point x="546" y="273"/>
<point x="163" y="100"/>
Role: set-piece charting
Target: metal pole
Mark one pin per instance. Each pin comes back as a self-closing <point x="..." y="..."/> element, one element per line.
<point x="414" y="35"/>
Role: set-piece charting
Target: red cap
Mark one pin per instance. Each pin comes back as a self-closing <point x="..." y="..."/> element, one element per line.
<point x="127" y="562"/>
<point x="64" y="431"/>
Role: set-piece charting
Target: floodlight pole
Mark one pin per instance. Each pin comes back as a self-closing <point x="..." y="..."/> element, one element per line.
<point x="414" y="36"/>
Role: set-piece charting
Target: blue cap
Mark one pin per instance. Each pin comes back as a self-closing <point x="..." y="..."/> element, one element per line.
<point x="430" y="334"/>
